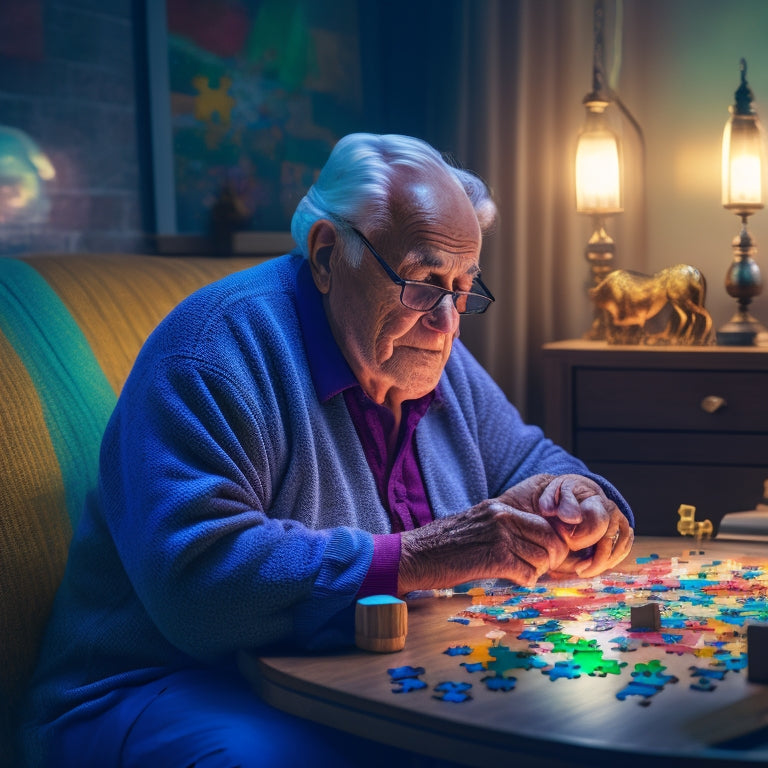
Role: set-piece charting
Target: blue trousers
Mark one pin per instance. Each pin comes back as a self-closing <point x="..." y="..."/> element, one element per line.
<point x="209" y="719"/>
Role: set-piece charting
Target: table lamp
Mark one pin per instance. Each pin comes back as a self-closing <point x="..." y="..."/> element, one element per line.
<point x="598" y="161"/>
<point x="742" y="193"/>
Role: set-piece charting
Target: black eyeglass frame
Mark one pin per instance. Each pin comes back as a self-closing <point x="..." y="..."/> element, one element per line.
<point x="486" y="295"/>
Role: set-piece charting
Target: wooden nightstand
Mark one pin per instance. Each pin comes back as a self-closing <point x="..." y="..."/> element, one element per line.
<point x="651" y="421"/>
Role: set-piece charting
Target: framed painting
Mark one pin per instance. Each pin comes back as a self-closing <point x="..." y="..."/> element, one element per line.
<point x="247" y="98"/>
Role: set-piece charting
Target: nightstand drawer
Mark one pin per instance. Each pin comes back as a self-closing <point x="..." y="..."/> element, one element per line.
<point x="612" y="398"/>
<point x="647" y="446"/>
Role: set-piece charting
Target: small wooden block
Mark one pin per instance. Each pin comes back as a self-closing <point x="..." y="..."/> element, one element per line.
<point x="757" y="653"/>
<point x="381" y="623"/>
<point x="645" y="616"/>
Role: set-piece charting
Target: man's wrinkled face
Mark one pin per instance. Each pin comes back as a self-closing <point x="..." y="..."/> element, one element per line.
<point x="397" y="353"/>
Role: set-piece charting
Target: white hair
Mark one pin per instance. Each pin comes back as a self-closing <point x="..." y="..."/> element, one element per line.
<point x="357" y="180"/>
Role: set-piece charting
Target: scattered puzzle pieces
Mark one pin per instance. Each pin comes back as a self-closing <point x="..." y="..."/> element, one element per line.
<point x="693" y="607"/>
<point x="406" y="679"/>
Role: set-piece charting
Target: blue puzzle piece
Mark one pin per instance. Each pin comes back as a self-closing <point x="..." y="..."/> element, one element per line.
<point x="525" y="613"/>
<point x="624" y="644"/>
<point x="731" y="662"/>
<point x="495" y="683"/>
<point x="455" y="692"/>
<point x="710" y="672"/>
<point x="397" y="673"/>
<point x="567" y="669"/>
<point x="703" y="684"/>
<point x="657" y="679"/>
<point x="458" y="650"/>
<point x="408" y="684"/>
<point x="636" y="688"/>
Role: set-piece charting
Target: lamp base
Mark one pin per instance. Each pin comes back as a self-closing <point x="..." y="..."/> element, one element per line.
<point x="742" y="330"/>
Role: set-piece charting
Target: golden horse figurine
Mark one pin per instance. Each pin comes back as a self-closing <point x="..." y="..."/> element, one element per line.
<point x="665" y="308"/>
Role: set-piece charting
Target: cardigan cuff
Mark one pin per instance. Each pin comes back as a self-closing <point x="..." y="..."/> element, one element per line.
<point x="381" y="578"/>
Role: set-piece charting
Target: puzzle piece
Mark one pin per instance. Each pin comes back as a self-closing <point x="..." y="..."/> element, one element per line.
<point x="703" y="684"/>
<point x="505" y="659"/>
<point x="408" y="684"/>
<point x="568" y="669"/>
<point x="652" y="673"/>
<point x="496" y="683"/>
<point x="210" y="101"/>
<point x="710" y="672"/>
<point x="731" y="662"/>
<point x="625" y="644"/>
<point x="406" y="679"/>
<point x="592" y="663"/>
<point x="458" y="650"/>
<point x="564" y="643"/>
<point x="455" y="692"/>
<point x="533" y="635"/>
<point x="398" y="673"/>
<point x="636" y="688"/>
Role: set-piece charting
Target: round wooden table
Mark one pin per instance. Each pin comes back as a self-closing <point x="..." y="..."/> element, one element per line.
<point x="542" y="722"/>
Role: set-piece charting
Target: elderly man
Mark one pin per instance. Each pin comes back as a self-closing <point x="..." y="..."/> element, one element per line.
<point x="290" y="439"/>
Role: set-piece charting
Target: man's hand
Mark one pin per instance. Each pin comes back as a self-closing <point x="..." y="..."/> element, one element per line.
<point x="489" y="540"/>
<point x="598" y="535"/>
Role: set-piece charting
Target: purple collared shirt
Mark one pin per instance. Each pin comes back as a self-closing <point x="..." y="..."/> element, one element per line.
<point x="397" y="475"/>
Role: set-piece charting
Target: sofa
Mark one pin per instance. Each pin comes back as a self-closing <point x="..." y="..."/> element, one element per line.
<point x="70" y="329"/>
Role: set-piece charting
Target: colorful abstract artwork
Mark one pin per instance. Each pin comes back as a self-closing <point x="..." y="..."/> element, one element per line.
<point x="260" y="91"/>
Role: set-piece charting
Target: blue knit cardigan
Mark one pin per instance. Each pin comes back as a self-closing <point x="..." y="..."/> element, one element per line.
<point x="234" y="510"/>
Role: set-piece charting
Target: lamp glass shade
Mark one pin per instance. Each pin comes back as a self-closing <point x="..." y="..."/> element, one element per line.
<point x="743" y="160"/>
<point x="598" y="165"/>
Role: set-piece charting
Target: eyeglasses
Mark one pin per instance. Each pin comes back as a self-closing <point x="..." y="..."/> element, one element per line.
<point x="424" y="297"/>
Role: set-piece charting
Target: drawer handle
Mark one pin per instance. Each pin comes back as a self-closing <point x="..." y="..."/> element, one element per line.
<point x="712" y="403"/>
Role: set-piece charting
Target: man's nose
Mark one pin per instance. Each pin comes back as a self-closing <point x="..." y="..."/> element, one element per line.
<point x="444" y="318"/>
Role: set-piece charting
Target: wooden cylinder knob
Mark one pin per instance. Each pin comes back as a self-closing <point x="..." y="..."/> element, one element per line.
<point x="381" y="623"/>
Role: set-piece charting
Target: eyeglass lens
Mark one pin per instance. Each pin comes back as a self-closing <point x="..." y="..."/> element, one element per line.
<point x="424" y="298"/>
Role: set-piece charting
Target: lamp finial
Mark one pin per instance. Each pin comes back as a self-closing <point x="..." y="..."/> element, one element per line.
<point x="743" y="94"/>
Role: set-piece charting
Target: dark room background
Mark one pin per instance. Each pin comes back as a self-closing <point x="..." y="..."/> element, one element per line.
<point x="74" y="78"/>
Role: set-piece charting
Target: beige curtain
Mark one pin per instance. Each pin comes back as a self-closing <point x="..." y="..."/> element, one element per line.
<point x="527" y="66"/>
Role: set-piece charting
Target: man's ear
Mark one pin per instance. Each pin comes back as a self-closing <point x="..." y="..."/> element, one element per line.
<point x="321" y="242"/>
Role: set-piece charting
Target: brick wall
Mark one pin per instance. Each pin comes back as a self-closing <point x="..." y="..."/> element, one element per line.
<point x="69" y="74"/>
